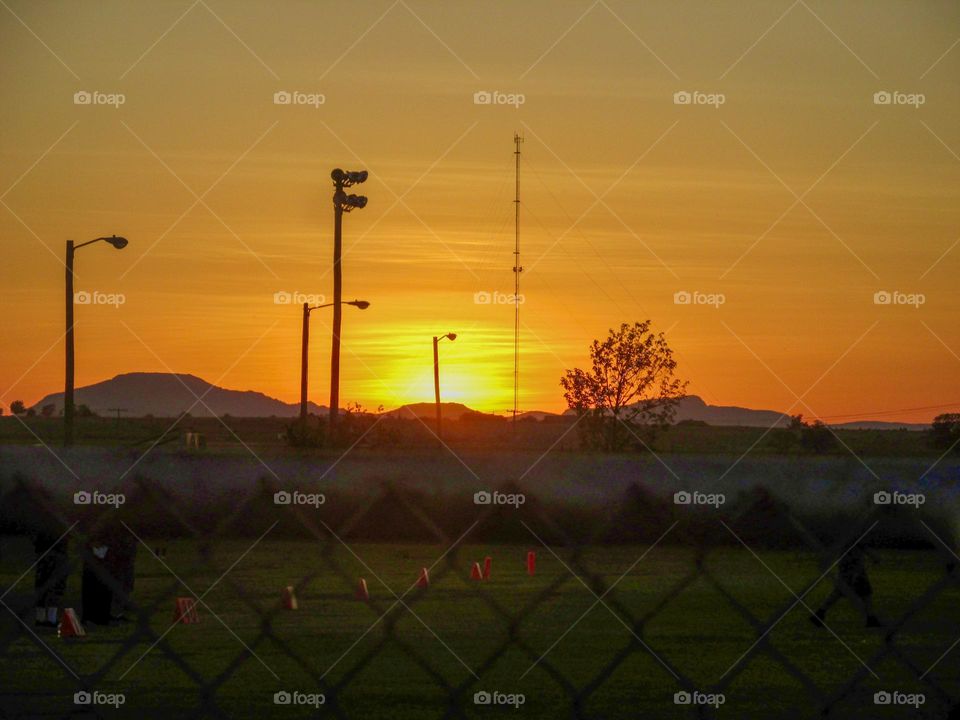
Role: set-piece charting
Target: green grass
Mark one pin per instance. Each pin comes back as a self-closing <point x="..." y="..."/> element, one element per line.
<point x="398" y="669"/>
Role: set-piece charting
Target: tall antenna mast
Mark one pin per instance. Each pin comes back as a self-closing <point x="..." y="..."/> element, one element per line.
<point x="517" y="269"/>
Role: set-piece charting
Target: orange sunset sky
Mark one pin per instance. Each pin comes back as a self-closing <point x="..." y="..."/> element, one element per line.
<point x="796" y="199"/>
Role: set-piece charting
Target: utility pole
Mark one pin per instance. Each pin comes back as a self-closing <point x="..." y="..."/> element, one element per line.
<point x="304" y="344"/>
<point x="69" y="369"/>
<point x="436" y="387"/>
<point x="337" y="313"/>
<point x="305" y="349"/>
<point x="118" y="243"/>
<point x="436" y="381"/>
<point x="342" y="202"/>
<point x="517" y="269"/>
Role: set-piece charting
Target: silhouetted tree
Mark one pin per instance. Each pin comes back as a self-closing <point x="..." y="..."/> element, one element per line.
<point x="17" y="407"/>
<point x="785" y="440"/>
<point x="630" y="384"/>
<point x="945" y="431"/>
<point x="817" y="438"/>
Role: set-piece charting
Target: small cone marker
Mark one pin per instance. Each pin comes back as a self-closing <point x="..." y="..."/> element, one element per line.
<point x="69" y="625"/>
<point x="289" y="599"/>
<point x="186" y="611"/>
<point x="475" y="573"/>
<point x="531" y="563"/>
<point x="362" y="592"/>
<point x="486" y="567"/>
<point x="424" y="579"/>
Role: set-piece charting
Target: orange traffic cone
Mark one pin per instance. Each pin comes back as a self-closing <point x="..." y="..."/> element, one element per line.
<point x="362" y="592"/>
<point x="531" y="563"/>
<point x="486" y="567"/>
<point x="185" y="611"/>
<point x="69" y="625"/>
<point x="289" y="598"/>
<point x="475" y="573"/>
<point x="424" y="579"/>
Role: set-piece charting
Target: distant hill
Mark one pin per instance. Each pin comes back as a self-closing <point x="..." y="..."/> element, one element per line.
<point x="451" y="411"/>
<point x="164" y="395"/>
<point x="535" y="415"/>
<point x="694" y="408"/>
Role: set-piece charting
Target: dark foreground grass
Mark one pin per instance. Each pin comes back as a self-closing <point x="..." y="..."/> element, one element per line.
<point x="429" y="654"/>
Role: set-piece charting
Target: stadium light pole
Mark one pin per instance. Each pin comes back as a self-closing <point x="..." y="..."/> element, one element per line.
<point x="304" y="344"/>
<point x="342" y="202"/>
<point x="436" y="378"/>
<point x="119" y="243"/>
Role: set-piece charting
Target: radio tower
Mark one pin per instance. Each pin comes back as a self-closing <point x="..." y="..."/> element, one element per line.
<point x="517" y="269"/>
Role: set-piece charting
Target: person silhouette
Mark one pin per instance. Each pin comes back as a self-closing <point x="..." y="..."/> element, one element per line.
<point x="52" y="568"/>
<point x="51" y="544"/>
<point x="852" y="581"/>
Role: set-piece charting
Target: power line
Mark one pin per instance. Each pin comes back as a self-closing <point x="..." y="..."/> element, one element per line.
<point x="891" y="412"/>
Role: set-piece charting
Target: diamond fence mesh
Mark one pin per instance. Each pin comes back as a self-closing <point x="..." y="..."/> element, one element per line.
<point x="694" y="605"/>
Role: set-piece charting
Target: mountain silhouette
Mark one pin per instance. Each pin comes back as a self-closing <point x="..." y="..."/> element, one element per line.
<point x="693" y="408"/>
<point x="451" y="411"/>
<point x="170" y="394"/>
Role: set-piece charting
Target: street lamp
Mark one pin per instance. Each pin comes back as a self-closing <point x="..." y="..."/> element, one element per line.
<point x="342" y="202"/>
<point x="360" y="304"/>
<point x="119" y="243"/>
<point x="436" y="378"/>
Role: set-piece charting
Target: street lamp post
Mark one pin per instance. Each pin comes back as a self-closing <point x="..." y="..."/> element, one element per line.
<point x="342" y="202"/>
<point x="304" y="344"/>
<point x="68" y="410"/>
<point x="436" y="379"/>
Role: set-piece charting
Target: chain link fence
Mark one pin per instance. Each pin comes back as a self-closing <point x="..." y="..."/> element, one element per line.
<point x="695" y="605"/>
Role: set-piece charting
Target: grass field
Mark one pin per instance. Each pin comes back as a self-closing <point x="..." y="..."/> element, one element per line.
<point x="400" y="666"/>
